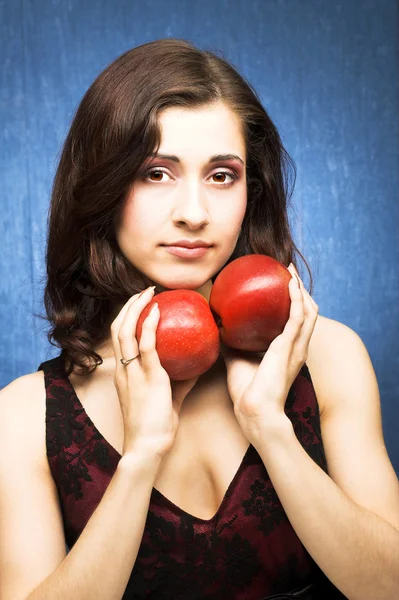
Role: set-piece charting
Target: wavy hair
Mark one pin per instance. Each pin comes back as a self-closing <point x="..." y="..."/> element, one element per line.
<point x="115" y="128"/>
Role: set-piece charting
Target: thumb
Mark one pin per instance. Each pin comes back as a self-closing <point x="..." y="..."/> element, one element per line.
<point x="228" y="353"/>
<point x="180" y="389"/>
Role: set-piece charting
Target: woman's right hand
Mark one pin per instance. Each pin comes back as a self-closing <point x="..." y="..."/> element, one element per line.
<point x="150" y="408"/>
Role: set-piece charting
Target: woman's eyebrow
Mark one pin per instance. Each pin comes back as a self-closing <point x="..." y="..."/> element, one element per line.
<point x="216" y="158"/>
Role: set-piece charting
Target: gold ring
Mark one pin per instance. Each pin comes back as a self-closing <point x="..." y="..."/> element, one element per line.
<point x="125" y="361"/>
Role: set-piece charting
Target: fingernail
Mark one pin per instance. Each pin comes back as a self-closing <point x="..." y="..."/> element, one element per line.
<point x="152" y="287"/>
<point x="154" y="310"/>
<point x="297" y="280"/>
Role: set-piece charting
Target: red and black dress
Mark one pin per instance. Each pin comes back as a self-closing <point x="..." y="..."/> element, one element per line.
<point x="247" y="551"/>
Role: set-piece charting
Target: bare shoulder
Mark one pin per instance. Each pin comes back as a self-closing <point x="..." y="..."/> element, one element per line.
<point x="329" y="334"/>
<point x="336" y="354"/>
<point x="22" y="414"/>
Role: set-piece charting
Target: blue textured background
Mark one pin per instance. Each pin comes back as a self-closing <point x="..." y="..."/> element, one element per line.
<point x="327" y="72"/>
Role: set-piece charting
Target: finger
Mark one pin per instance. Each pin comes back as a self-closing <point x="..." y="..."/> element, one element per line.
<point x="128" y="345"/>
<point x="120" y="316"/>
<point x="147" y="347"/>
<point x="312" y="311"/>
<point x="310" y="305"/>
<point x="308" y="300"/>
<point x="296" y="318"/>
<point x="116" y="325"/>
<point x="180" y="390"/>
<point x="293" y="271"/>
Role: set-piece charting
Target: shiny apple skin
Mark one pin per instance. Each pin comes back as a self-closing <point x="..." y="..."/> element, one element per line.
<point x="251" y="297"/>
<point x="187" y="337"/>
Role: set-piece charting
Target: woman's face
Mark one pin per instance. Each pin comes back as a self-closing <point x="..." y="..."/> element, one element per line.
<point x="190" y="190"/>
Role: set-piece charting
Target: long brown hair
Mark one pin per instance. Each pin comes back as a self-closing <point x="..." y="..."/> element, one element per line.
<point x="114" y="130"/>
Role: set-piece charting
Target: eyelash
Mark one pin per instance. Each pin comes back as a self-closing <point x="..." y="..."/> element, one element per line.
<point x="233" y="175"/>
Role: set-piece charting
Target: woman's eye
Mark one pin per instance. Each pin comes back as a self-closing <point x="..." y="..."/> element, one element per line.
<point x="157" y="173"/>
<point x="224" y="175"/>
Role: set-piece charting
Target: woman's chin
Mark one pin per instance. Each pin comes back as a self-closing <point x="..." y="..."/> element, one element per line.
<point x="185" y="284"/>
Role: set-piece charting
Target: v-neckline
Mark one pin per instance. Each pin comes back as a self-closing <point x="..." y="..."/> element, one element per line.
<point x="177" y="509"/>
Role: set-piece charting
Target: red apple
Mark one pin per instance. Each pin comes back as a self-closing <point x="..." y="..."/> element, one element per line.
<point x="187" y="337"/>
<point x="250" y="297"/>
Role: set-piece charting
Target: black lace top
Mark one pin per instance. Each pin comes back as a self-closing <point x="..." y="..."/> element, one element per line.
<point x="247" y="551"/>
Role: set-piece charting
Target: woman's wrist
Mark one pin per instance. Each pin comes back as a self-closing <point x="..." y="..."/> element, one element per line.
<point x="275" y="427"/>
<point x="140" y="461"/>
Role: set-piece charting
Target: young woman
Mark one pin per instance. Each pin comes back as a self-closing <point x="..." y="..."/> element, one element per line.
<point x="266" y="477"/>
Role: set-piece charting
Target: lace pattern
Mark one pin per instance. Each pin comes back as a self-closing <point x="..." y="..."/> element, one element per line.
<point x="247" y="551"/>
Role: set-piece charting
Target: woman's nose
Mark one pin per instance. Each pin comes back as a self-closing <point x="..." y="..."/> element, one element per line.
<point x="191" y="206"/>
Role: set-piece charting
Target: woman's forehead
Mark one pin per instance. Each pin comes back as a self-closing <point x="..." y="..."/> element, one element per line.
<point x="213" y="130"/>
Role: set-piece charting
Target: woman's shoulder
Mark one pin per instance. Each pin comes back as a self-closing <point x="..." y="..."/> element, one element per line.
<point x="333" y="347"/>
<point x="22" y="415"/>
<point x="326" y="332"/>
<point x="23" y="391"/>
<point x="328" y="337"/>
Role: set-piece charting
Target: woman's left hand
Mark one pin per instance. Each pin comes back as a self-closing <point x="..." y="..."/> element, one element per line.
<point x="259" y="390"/>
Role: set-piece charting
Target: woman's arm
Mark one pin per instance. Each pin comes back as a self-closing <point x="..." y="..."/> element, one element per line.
<point x="32" y="543"/>
<point x="348" y="521"/>
<point x="100" y="563"/>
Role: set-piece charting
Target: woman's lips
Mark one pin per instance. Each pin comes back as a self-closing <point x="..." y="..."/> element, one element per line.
<point x="187" y="252"/>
